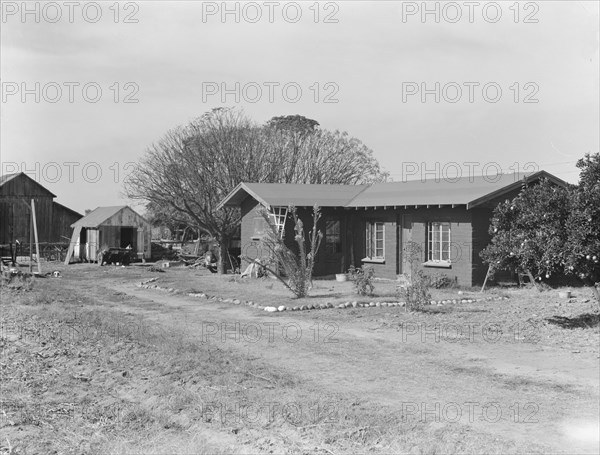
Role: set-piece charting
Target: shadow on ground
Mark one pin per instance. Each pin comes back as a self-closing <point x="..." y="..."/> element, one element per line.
<point x="583" y="321"/>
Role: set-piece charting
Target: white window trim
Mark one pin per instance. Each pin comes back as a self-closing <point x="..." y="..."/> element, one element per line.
<point x="376" y="259"/>
<point x="439" y="262"/>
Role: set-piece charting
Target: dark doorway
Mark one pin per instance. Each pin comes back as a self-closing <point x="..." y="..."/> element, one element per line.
<point x="82" y="245"/>
<point x="128" y="237"/>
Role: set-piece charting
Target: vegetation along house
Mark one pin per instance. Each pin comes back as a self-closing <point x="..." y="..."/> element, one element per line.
<point x="438" y="226"/>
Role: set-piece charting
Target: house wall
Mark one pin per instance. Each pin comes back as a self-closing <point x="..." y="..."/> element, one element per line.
<point x="481" y="238"/>
<point x="358" y="221"/>
<point x="469" y="234"/>
<point x="461" y="235"/>
<point x="250" y="248"/>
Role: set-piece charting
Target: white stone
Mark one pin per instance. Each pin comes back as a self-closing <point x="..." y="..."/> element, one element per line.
<point x="270" y="309"/>
<point x="281" y="308"/>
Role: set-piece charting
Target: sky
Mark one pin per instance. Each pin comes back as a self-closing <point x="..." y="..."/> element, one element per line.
<point x="435" y="89"/>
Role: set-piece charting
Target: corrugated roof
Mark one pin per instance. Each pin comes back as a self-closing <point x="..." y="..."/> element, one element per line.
<point x="301" y="195"/>
<point x="469" y="191"/>
<point x="96" y="217"/>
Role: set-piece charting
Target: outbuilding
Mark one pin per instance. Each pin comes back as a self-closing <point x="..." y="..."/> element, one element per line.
<point x="110" y="227"/>
<point x="52" y="219"/>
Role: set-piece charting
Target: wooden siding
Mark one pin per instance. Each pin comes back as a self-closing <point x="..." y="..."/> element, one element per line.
<point x="62" y="219"/>
<point x="15" y="215"/>
<point x="53" y="220"/>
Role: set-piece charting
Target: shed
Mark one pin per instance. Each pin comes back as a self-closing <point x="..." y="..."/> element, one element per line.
<point x="110" y="227"/>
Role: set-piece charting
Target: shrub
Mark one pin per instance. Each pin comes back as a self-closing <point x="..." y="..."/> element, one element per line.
<point x="363" y="279"/>
<point x="441" y="281"/>
<point x="293" y="270"/>
<point x="416" y="293"/>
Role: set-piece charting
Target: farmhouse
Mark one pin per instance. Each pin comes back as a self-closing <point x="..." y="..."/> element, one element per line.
<point x="53" y="219"/>
<point x="109" y="227"/>
<point x="438" y="226"/>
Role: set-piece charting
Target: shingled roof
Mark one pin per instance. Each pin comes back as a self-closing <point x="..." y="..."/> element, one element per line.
<point x="468" y="191"/>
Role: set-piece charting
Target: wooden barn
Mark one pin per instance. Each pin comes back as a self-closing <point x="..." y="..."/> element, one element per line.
<point x="104" y="228"/>
<point x="53" y="219"/>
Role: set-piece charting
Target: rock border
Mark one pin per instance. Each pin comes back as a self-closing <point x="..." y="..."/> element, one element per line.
<point x="322" y="306"/>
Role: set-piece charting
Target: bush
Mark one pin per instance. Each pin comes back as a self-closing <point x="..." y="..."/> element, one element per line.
<point x="294" y="270"/>
<point x="363" y="279"/>
<point x="441" y="281"/>
<point x="416" y="293"/>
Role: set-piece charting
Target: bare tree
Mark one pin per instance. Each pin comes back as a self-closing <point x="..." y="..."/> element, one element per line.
<point x="192" y="168"/>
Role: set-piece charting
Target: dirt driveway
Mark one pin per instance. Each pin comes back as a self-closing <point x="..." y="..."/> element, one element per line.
<point x="473" y="374"/>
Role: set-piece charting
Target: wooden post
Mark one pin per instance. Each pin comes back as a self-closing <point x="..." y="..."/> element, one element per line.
<point x="486" y="277"/>
<point x="37" y="244"/>
<point x="31" y="242"/>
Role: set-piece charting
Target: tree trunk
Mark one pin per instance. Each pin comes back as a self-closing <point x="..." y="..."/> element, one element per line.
<point x="223" y="257"/>
<point x="532" y="279"/>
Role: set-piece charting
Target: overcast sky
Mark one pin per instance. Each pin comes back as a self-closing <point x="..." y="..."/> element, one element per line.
<point x="360" y="67"/>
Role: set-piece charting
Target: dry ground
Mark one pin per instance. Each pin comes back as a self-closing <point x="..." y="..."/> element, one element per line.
<point x="91" y="363"/>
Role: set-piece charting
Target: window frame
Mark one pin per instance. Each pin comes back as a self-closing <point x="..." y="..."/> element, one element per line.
<point x="337" y="235"/>
<point x="371" y="249"/>
<point x="278" y="216"/>
<point x="436" y="245"/>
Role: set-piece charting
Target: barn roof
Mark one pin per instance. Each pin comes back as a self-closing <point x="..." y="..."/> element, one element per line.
<point x="98" y="216"/>
<point x="67" y="209"/>
<point x="4" y="179"/>
<point x="468" y="191"/>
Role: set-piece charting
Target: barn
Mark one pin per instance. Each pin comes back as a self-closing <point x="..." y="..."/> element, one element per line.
<point x="108" y="228"/>
<point x="53" y="219"/>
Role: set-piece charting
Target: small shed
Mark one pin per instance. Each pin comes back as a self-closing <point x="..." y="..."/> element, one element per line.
<point x="109" y="227"/>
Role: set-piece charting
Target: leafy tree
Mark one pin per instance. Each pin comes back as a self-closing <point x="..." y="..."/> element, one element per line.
<point x="528" y="233"/>
<point x="582" y="248"/>
<point x="550" y="229"/>
<point x="294" y="123"/>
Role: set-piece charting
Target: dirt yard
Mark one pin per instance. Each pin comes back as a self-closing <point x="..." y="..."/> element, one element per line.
<point x="94" y="363"/>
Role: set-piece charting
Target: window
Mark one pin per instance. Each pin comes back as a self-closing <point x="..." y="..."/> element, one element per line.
<point x="333" y="237"/>
<point x="375" y="241"/>
<point x="438" y="243"/>
<point x="259" y="225"/>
